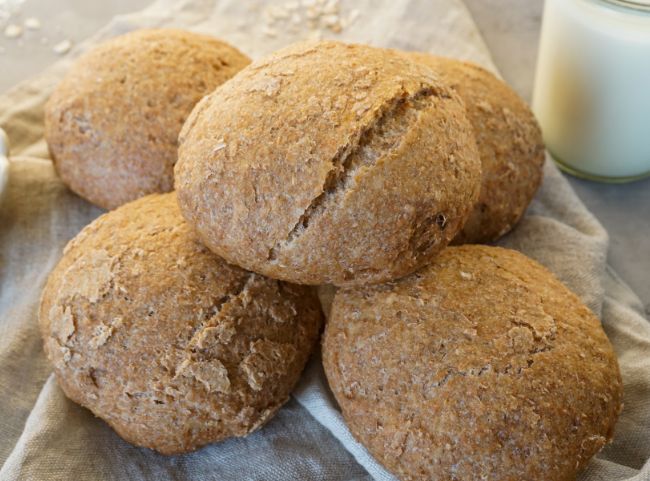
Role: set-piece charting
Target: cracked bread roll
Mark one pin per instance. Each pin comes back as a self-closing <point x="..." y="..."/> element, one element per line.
<point x="112" y="123"/>
<point x="482" y="365"/>
<point x="170" y="345"/>
<point x="509" y="142"/>
<point x="329" y="163"/>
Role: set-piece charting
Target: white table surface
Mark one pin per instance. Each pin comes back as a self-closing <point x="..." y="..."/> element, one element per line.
<point x="511" y="30"/>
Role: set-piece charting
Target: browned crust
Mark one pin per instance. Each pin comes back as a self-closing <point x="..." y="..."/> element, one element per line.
<point x="112" y="123"/>
<point x="170" y="345"/>
<point x="509" y="141"/>
<point x="329" y="163"/>
<point x="479" y="366"/>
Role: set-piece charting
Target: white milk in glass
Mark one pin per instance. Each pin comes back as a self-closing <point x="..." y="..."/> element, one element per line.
<point x="592" y="88"/>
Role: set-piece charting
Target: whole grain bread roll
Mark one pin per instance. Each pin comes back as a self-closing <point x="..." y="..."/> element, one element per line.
<point x="509" y="142"/>
<point x="112" y="123"/>
<point x="482" y="365"/>
<point x="329" y="163"/>
<point x="170" y="345"/>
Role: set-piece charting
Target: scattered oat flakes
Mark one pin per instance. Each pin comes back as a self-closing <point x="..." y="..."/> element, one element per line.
<point x="220" y="146"/>
<point x="266" y="360"/>
<point x="269" y="32"/>
<point x="315" y="35"/>
<point x="212" y="374"/>
<point x="332" y="7"/>
<point x="13" y="31"/>
<point x="278" y="12"/>
<point x="101" y="335"/>
<point x="296" y="19"/>
<point x="360" y="108"/>
<point x="330" y="20"/>
<point x="103" y="332"/>
<point x="470" y="333"/>
<point x="352" y="17"/>
<point x="313" y="15"/>
<point x="66" y="325"/>
<point x="267" y="84"/>
<point x="484" y="106"/>
<point x="62" y="47"/>
<point x="211" y="337"/>
<point x="32" y="23"/>
<point x="67" y="354"/>
<point x="93" y="275"/>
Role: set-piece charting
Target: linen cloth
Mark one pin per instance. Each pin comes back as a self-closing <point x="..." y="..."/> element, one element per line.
<point x="45" y="436"/>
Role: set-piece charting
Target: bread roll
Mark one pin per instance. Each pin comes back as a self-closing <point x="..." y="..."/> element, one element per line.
<point x="329" y="163"/>
<point x="509" y="142"/>
<point x="169" y="344"/>
<point x="112" y="123"/>
<point x="482" y="365"/>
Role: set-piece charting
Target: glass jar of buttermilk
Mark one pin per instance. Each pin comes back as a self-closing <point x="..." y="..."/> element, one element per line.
<point x="592" y="87"/>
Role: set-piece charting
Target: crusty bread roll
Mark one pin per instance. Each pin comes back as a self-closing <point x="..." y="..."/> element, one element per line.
<point x="509" y="142"/>
<point x="482" y="365"/>
<point x="169" y="344"/>
<point x="112" y="124"/>
<point x="329" y="163"/>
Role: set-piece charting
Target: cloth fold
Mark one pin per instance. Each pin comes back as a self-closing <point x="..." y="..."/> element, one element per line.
<point x="45" y="436"/>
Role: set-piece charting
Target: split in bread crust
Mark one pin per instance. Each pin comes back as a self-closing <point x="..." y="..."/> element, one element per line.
<point x="329" y="163"/>
<point x="169" y="344"/>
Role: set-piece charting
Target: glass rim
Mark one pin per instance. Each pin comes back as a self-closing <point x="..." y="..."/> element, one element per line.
<point x="638" y="5"/>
